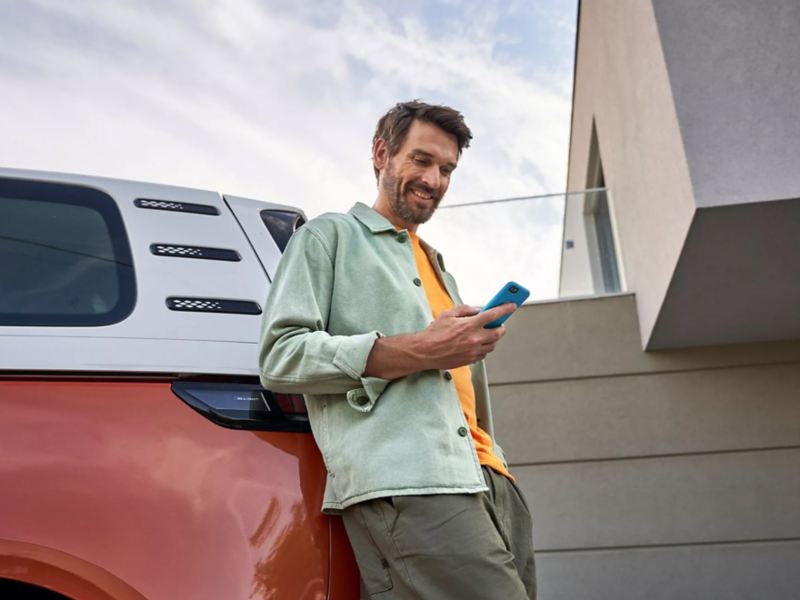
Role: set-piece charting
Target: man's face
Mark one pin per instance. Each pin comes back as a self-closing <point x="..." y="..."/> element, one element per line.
<point x="416" y="178"/>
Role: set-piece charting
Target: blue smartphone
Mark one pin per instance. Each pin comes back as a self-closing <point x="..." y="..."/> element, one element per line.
<point x="510" y="292"/>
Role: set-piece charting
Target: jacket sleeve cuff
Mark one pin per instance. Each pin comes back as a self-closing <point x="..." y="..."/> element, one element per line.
<point x="364" y="398"/>
<point x="351" y="357"/>
<point x="352" y="354"/>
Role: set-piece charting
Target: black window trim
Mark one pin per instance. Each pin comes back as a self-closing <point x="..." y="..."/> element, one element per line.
<point x="100" y="201"/>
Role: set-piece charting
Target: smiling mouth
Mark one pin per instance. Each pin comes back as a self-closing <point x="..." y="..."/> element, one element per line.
<point x="422" y="195"/>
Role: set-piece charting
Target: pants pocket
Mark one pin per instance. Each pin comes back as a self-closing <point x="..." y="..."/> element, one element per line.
<point x="372" y="564"/>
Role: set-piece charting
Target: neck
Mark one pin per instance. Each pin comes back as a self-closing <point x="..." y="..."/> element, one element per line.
<point x="383" y="207"/>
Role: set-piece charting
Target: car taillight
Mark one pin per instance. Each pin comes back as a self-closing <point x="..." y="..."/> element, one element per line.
<point x="244" y="405"/>
<point x="291" y="404"/>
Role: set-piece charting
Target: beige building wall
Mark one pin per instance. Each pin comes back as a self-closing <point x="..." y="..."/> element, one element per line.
<point x="658" y="475"/>
<point x="623" y="89"/>
<point x="694" y="109"/>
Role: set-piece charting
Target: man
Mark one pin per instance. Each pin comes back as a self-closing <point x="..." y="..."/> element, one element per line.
<point x="363" y="318"/>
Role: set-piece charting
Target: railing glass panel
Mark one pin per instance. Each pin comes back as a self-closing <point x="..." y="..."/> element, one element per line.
<point x="556" y="245"/>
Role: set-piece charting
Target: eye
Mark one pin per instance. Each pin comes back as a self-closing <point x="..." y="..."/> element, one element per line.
<point x="446" y="171"/>
<point x="420" y="160"/>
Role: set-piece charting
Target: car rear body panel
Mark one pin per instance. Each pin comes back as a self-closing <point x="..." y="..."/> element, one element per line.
<point x="124" y="475"/>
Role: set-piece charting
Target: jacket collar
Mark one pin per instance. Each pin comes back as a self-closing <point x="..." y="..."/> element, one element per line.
<point x="371" y="219"/>
<point x="377" y="223"/>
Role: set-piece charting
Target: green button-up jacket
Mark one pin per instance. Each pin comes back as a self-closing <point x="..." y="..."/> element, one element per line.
<point x="345" y="280"/>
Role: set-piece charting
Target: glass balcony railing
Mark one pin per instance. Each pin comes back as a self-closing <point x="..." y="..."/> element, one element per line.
<point x="556" y="245"/>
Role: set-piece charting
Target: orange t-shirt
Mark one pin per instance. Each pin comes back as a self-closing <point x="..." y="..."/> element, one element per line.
<point x="439" y="301"/>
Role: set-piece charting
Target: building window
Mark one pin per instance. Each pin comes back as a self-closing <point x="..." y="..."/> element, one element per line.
<point x="600" y="231"/>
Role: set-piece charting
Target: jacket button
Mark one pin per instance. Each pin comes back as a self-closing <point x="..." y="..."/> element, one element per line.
<point x="462" y="431"/>
<point x="401" y="238"/>
<point x="417" y="281"/>
<point x="448" y="375"/>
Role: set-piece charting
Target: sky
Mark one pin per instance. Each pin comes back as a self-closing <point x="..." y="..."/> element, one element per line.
<point x="277" y="100"/>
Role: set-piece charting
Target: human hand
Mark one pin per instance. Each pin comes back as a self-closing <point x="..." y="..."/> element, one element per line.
<point x="457" y="337"/>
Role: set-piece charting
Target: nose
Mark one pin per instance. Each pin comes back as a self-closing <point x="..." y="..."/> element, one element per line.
<point x="431" y="177"/>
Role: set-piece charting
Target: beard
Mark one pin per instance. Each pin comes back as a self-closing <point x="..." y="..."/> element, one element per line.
<point x="397" y="194"/>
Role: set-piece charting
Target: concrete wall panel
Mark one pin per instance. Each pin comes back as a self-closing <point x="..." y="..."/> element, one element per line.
<point x="667" y="413"/>
<point x="761" y="571"/>
<point x="676" y="500"/>
<point x="600" y="337"/>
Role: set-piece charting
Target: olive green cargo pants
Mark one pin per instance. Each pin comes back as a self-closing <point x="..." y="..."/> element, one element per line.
<point x="459" y="546"/>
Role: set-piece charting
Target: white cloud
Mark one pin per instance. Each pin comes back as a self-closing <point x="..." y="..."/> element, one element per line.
<point x="269" y="101"/>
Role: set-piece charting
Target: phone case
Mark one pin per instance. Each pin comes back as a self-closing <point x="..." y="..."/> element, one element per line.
<point x="518" y="296"/>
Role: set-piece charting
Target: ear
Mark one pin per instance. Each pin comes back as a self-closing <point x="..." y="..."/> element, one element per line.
<point x="380" y="154"/>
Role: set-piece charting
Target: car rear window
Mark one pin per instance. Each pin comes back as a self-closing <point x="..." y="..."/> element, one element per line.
<point x="281" y="225"/>
<point x="64" y="256"/>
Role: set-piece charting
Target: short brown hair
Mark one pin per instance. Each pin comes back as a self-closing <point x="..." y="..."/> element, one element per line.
<point x="394" y="125"/>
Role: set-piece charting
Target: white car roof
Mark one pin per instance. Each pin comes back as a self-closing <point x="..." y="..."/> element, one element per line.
<point x="153" y="338"/>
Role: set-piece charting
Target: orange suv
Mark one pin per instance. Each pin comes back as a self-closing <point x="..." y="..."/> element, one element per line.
<point x="139" y="456"/>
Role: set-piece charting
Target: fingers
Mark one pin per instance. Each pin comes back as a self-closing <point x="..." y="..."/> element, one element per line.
<point x="495" y="313"/>
<point x="498" y="332"/>
<point x="492" y="336"/>
<point x="462" y="310"/>
<point x="459" y="333"/>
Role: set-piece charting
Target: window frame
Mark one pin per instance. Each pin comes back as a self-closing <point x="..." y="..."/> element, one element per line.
<point x="101" y="202"/>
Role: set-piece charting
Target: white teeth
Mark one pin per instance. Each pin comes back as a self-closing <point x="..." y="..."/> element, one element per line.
<point x="421" y="195"/>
